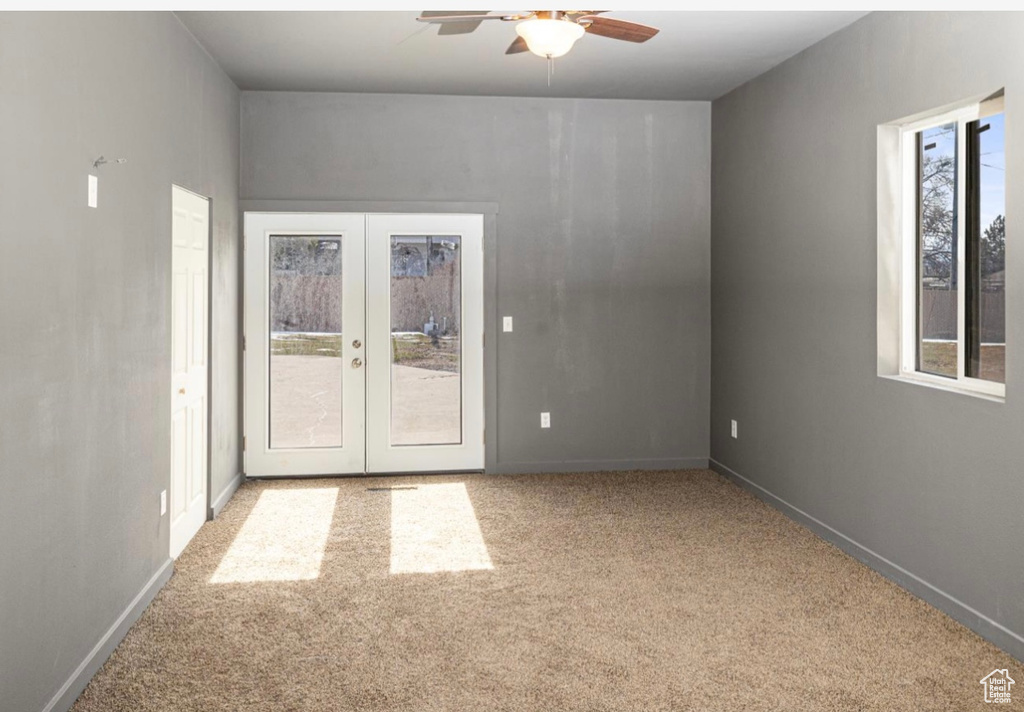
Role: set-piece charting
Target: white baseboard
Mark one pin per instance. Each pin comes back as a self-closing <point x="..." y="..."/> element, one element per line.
<point x="555" y="466"/>
<point x="992" y="631"/>
<point x="217" y="504"/>
<point x="72" y="688"/>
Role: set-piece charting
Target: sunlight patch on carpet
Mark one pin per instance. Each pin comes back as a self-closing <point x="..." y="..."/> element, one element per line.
<point x="433" y="529"/>
<point x="282" y="539"/>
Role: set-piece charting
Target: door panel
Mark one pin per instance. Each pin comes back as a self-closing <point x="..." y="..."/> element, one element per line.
<point x="179" y="463"/>
<point x="304" y="315"/>
<point x="190" y="216"/>
<point x="179" y="322"/>
<point x="198" y="320"/>
<point x="425" y="343"/>
<point x="197" y="417"/>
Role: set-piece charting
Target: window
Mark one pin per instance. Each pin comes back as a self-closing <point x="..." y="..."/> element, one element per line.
<point x="949" y="208"/>
<point x="986" y="249"/>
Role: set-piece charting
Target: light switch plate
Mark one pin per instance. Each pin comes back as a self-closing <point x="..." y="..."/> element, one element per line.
<point x="545" y="420"/>
<point x="163" y="503"/>
<point x="94" y="189"/>
<point x="735" y="429"/>
<point x="506" y="323"/>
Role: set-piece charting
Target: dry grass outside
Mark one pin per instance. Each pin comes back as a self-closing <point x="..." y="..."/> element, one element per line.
<point x="418" y="350"/>
<point x="423" y="351"/>
<point x="940" y="358"/>
<point x="300" y="344"/>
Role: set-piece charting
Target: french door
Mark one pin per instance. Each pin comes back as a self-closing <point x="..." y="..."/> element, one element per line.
<point x="363" y="343"/>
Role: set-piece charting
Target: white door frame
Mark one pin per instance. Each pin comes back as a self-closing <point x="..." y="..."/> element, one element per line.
<point x="196" y="512"/>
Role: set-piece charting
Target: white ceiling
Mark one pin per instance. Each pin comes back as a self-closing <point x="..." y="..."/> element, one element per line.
<point x="697" y="55"/>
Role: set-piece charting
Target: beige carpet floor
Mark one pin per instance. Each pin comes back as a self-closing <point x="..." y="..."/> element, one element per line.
<point x="612" y="591"/>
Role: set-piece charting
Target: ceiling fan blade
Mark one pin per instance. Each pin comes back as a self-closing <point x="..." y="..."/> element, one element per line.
<point x="618" y="29"/>
<point x="457" y="28"/>
<point x="469" y="16"/>
<point x="519" y="45"/>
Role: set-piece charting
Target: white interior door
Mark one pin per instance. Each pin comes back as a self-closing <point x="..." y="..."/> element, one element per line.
<point x="424" y="400"/>
<point x="190" y="230"/>
<point x="304" y="344"/>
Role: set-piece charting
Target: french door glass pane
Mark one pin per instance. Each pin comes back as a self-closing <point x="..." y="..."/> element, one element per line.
<point x="426" y="343"/>
<point x="305" y="341"/>
<point x="937" y="243"/>
<point x="990" y="271"/>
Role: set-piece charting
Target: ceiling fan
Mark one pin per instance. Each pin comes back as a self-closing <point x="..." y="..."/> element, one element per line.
<point x="546" y="33"/>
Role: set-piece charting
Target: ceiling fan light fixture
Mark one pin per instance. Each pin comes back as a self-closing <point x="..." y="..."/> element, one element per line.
<point x="549" y="38"/>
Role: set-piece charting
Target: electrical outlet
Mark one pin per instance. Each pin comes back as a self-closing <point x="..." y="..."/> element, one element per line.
<point x="545" y="420"/>
<point x="94" y="189"/>
<point x="163" y="503"/>
<point x="735" y="429"/>
<point x="506" y="323"/>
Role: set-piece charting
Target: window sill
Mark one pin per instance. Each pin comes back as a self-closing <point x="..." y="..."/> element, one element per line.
<point x="943" y="385"/>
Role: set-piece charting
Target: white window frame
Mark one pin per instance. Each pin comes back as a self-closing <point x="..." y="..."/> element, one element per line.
<point x="897" y="206"/>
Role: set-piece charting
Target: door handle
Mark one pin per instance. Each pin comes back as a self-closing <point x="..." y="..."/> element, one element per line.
<point x="357" y="362"/>
<point x="181" y="391"/>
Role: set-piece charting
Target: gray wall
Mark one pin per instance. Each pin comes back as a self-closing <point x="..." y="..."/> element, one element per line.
<point x="601" y="253"/>
<point x="930" y="481"/>
<point x="84" y="316"/>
